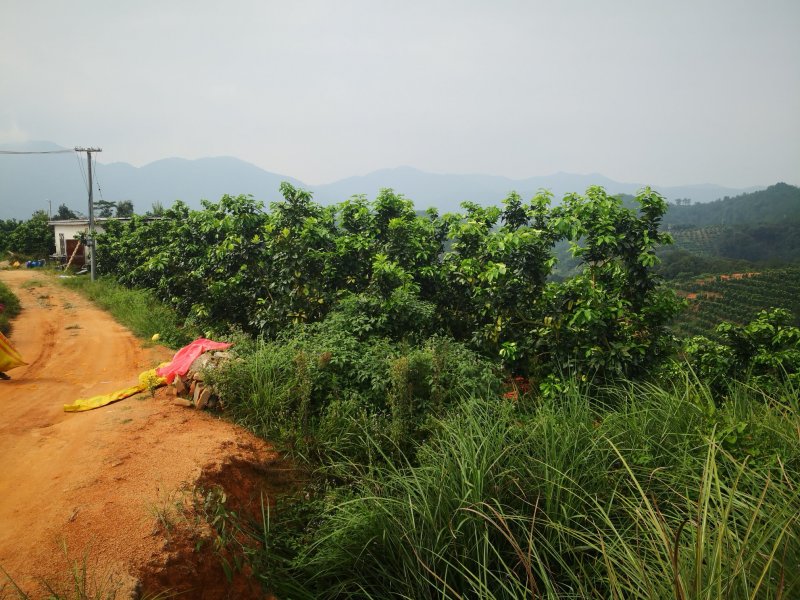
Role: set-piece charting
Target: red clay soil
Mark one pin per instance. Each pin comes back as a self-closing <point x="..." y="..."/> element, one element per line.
<point x="95" y="489"/>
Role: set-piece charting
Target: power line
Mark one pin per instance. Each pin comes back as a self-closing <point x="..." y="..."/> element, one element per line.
<point x="35" y="152"/>
<point x="90" y="241"/>
<point x="97" y="179"/>
<point x="83" y="172"/>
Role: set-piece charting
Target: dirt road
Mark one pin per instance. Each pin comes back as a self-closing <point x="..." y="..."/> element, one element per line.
<point x="92" y="488"/>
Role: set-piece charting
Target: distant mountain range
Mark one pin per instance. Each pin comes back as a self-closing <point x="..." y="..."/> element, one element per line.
<point x="28" y="182"/>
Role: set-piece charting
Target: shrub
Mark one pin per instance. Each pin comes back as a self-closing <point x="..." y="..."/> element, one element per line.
<point x="480" y="277"/>
<point x="9" y="308"/>
<point x="314" y="389"/>
<point x="32" y="238"/>
<point x="765" y="353"/>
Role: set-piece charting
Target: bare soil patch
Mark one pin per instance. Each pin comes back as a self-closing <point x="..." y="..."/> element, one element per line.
<point x="90" y="488"/>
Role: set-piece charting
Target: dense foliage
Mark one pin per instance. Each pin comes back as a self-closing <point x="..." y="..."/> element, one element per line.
<point x="32" y="238"/>
<point x="480" y="277"/>
<point x="765" y="352"/>
<point x="7" y="226"/>
<point x="379" y="335"/>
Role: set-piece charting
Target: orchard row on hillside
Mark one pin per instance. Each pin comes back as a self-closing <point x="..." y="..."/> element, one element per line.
<point x="480" y="277"/>
<point x="736" y="297"/>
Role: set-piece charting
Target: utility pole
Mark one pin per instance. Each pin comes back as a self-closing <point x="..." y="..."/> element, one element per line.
<point x="90" y="239"/>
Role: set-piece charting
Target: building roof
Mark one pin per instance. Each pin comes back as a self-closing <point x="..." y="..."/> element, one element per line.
<point x="97" y="220"/>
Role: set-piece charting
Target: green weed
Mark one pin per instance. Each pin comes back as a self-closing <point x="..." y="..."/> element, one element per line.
<point x="10" y="308"/>
<point x="82" y="581"/>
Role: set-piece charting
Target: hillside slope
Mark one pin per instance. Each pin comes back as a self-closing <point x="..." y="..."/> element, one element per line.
<point x="779" y="203"/>
<point x="751" y="231"/>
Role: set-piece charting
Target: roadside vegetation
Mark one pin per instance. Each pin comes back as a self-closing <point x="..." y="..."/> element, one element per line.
<point x="26" y="239"/>
<point x="683" y="485"/>
<point x="136" y="309"/>
<point x="9" y="308"/>
<point x="477" y="424"/>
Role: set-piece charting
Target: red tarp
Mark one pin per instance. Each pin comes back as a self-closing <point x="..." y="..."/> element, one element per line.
<point x="184" y="357"/>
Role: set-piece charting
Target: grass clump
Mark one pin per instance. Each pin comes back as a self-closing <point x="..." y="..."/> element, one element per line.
<point x="136" y="309"/>
<point x="9" y="308"/>
<point x="83" y="579"/>
<point x="641" y="495"/>
<point x="316" y="392"/>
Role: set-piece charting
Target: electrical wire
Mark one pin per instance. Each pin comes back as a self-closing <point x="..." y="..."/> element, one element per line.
<point x="83" y="173"/>
<point x="97" y="179"/>
<point x="35" y="152"/>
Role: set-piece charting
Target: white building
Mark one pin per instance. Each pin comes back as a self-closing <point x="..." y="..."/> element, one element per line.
<point x="66" y="245"/>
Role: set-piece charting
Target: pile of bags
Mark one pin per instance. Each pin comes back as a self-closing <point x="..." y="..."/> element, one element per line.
<point x="188" y="360"/>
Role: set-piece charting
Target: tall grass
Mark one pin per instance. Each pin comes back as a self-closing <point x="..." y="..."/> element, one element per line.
<point x="258" y="391"/>
<point x="10" y="307"/>
<point x="648" y="497"/>
<point x="136" y="309"/>
<point x="319" y="391"/>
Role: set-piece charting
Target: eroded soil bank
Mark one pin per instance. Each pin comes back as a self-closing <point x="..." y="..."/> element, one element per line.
<point x="94" y="489"/>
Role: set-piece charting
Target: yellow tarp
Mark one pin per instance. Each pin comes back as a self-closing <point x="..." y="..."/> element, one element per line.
<point x="147" y="380"/>
<point x="9" y="357"/>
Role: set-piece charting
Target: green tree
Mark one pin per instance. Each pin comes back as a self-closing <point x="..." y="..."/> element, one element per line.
<point x="611" y="318"/>
<point x="157" y="210"/>
<point x="764" y="352"/>
<point x="124" y="209"/>
<point x="482" y="277"/>
<point x="7" y="227"/>
<point x="104" y="208"/>
<point x="33" y="237"/>
<point x="64" y="213"/>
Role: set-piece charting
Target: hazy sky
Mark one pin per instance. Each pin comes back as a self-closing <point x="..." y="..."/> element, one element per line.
<point x="661" y="92"/>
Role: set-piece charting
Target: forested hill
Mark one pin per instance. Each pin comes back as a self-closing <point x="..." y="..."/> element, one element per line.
<point x="749" y="232"/>
<point x="779" y="203"/>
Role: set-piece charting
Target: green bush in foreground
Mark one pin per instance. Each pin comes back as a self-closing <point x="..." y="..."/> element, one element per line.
<point x="316" y="392"/>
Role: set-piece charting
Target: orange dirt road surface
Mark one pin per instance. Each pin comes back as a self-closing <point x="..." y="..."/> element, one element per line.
<point x="90" y="488"/>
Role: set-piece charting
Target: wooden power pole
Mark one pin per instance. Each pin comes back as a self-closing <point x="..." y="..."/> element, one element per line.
<point x="90" y="239"/>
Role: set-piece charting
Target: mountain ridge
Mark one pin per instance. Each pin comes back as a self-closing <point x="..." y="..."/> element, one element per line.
<point x="28" y="182"/>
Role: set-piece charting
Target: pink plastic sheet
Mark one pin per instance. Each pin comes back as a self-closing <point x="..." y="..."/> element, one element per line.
<point x="184" y="357"/>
